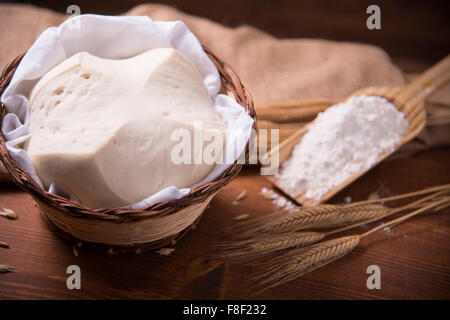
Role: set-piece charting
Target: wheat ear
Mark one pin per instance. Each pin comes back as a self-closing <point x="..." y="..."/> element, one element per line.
<point x="296" y="263"/>
<point x="321" y="216"/>
<point x="300" y="261"/>
<point x="327" y="215"/>
<point x="257" y="248"/>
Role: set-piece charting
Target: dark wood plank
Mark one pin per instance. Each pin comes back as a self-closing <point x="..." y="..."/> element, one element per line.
<point x="413" y="257"/>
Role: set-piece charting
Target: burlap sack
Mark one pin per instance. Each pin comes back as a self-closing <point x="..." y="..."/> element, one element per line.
<point x="271" y="68"/>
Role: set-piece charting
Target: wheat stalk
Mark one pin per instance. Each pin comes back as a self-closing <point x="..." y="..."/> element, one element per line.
<point x="247" y="250"/>
<point x="415" y="204"/>
<point x="330" y="216"/>
<point x="444" y="187"/>
<point x="283" y="241"/>
<point x="320" y="216"/>
<point x="304" y="260"/>
<point x="257" y="247"/>
<point x="441" y="203"/>
<point x="296" y="263"/>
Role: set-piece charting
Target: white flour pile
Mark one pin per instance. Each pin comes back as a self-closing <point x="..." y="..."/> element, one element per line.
<point x="343" y="140"/>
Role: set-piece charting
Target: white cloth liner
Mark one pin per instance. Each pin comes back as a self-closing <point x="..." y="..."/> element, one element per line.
<point x="114" y="37"/>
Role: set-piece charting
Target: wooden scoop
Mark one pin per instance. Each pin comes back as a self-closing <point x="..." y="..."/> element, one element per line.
<point x="408" y="99"/>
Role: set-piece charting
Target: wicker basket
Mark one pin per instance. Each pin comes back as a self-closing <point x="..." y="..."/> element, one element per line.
<point x="119" y="229"/>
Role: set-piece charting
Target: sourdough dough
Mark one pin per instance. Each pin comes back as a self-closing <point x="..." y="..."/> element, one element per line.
<point x="102" y="128"/>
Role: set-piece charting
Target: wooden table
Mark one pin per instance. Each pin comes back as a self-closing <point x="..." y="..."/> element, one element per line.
<point x="414" y="257"/>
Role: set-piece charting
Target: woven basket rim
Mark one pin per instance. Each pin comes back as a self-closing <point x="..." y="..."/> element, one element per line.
<point x="230" y="85"/>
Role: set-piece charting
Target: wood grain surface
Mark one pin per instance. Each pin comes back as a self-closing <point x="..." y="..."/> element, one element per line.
<point x="414" y="257"/>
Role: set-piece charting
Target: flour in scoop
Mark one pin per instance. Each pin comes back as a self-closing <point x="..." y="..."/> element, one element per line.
<point x="345" y="139"/>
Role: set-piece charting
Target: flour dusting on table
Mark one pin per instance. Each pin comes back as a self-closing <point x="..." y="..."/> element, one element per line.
<point x="278" y="200"/>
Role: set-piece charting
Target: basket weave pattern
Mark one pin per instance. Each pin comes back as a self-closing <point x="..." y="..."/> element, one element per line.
<point x="127" y="229"/>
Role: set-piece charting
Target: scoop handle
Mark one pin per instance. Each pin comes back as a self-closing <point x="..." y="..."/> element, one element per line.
<point x="425" y="84"/>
